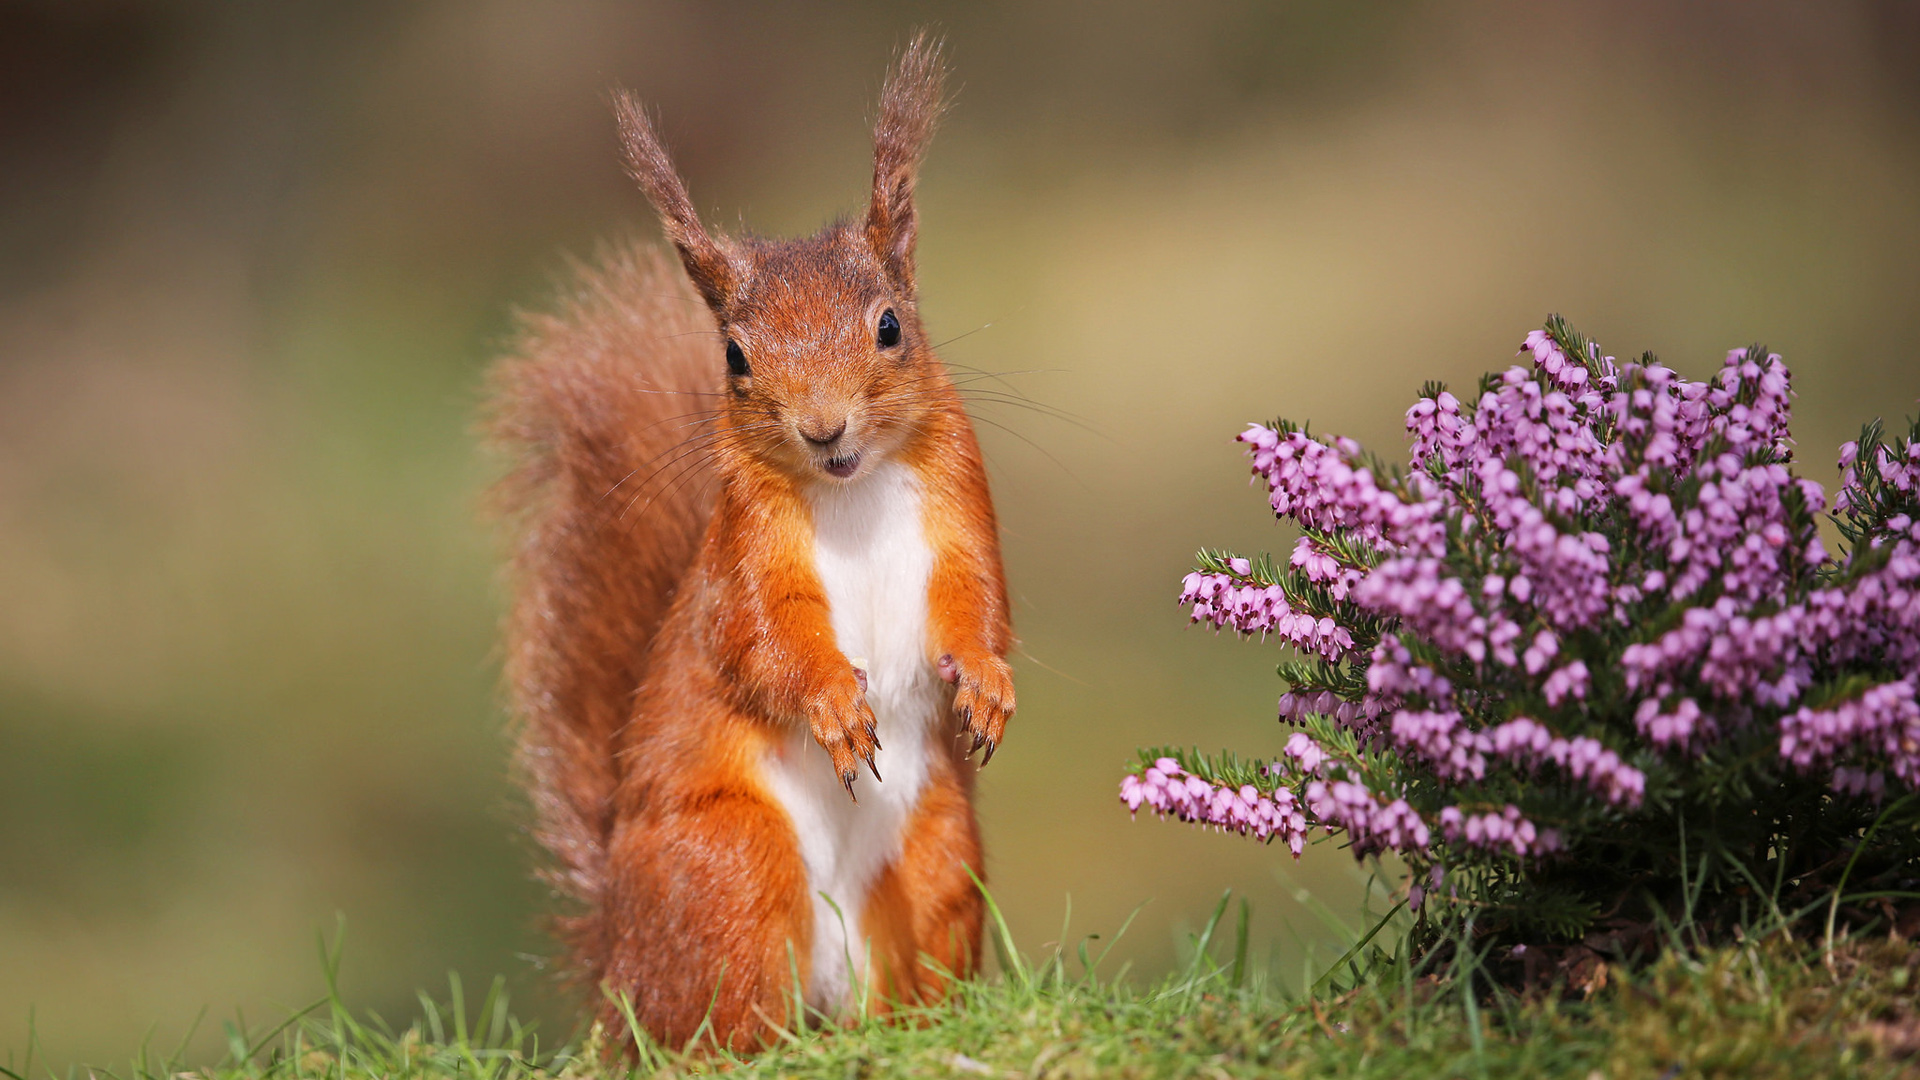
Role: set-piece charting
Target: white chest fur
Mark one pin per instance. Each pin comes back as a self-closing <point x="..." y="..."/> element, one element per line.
<point x="871" y="553"/>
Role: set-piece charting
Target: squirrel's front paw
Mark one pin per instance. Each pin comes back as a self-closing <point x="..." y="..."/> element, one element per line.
<point x="843" y="725"/>
<point x="983" y="698"/>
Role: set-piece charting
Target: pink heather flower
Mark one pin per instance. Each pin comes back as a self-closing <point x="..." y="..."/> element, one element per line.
<point x="1570" y="374"/>
<point x="1361" y="717"/>
<point x="1323" y="568"/>
<point x="1871" y="783"/>
<point x="1493" y="562"/>
<point x="1897" y="467"/>
<point x="1371" y="824"/>
<point x="1505" y="829"/>
<point x="1170" y="791"/>
<point x="1676" y="729"/>
<point x="1734" y="653"/>
<point x="1881" y="725"/>
<point x="1455" y="753"/>
<point x="1393" y="676"/>
<point x="1250" y="608"/>
<point x="1567" y="682"/>
<point x="1302" y="748"/>
<point x="1876" y="616"/>
<point x="1318" y="485"/>
<point x="1440" y="608"/>
<point x="1541" y="652"/>
<point x="1586" y="759"/>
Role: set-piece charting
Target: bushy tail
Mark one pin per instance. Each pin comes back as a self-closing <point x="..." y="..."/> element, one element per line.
<point x="601" y="408"/>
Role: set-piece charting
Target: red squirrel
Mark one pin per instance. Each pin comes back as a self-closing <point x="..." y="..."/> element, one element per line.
<point x="759" y="623"/>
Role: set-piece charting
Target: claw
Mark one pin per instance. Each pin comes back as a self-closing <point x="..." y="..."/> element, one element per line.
<point x="979" y="740"/>
<point x="847" y="779"/>
<point x="874" y="769"/>
<point x="873" y="736"/>
<point x="991" y="747"/>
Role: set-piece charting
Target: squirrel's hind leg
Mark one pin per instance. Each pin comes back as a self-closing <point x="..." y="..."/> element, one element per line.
<point x="926" y="907"/>
<point x="708" y="919"/>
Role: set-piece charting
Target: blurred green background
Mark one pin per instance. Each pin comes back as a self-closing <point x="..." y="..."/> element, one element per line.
<point x="255" y="257"/>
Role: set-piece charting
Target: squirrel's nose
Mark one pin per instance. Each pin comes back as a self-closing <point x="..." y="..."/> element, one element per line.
<point x="816" y="432"/>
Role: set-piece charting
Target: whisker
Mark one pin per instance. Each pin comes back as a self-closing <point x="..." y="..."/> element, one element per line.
<point x="704" y="415"/>
<point x="1016" y="434"/>
<point x="689" y="393"/>
<point x="686" y="463"/>
<point x="1002" y="376"/>
<point x="1044" y="452"/>
<point x="680" y="450"/>
<point x="962" y="337"/>
<point x="691" y="471"/>
<point x="1017" y="371"/>
<point x="994" y="397"/>
<point x="695" y="301"/>
<point x="1037" y="662"/>
<point x="1042" y="409"/>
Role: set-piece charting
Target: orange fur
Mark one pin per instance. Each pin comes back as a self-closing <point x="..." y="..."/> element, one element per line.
<point x="670" y="628"/>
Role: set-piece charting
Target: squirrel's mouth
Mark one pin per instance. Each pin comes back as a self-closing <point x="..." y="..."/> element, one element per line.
<point x="842" y="466"/>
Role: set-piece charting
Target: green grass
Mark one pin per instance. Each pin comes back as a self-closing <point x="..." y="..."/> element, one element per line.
<point x="1779" y="1007"/>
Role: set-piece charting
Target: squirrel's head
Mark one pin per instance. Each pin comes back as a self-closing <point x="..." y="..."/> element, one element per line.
<point x="827" y="367"/>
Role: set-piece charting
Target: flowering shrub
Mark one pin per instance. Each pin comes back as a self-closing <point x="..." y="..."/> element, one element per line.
<point x="1586" y="650"/>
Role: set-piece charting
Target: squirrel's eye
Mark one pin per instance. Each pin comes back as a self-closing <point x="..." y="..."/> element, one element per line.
<point x="737" y="360"/>
<point x="889" y="335"/>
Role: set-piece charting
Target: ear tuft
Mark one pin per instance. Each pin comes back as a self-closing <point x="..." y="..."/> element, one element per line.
<point x="707" y="265"/>
<point x="910" y="108"/>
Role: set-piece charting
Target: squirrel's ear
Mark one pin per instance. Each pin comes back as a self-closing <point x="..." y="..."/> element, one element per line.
<point x="647" y="162"/>
<point x="910" y="106"/>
